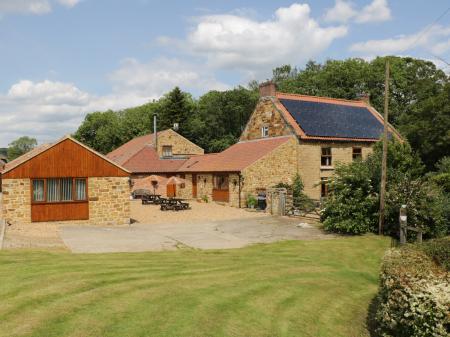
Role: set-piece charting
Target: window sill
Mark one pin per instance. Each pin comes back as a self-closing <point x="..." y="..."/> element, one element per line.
<point x="58" y="202"/>
<point x="327" y="168"/>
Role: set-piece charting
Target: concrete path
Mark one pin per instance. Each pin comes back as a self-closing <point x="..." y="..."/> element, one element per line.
<point x="200" y="235"/>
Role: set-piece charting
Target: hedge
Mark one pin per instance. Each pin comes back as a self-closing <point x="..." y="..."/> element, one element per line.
<point x="414" y="296"/>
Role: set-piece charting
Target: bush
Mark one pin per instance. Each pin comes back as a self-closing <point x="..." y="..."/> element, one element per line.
<point x="439" y="251"/>
<point x="251" y="201"/>
<point x="414" y="296"/>
<point x="353" y="204"/>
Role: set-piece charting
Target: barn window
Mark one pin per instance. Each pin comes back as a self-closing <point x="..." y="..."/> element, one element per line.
<point x="167" y="151"/>
<point x="59" y="190"/>
<point x="325" y="159"/>
<point x="38" y="190"/>
<point x="265" y="132"/>
<point x="80" y="189"/>
<point x="221" y="182"/>
<point x="357" y="153"/>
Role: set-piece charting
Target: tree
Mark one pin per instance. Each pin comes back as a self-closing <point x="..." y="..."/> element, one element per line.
<point x="20" y="146"/>
<point x="175" y="107"/>
<point x="100" y="131"/>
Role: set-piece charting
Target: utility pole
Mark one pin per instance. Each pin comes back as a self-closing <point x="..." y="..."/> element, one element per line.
<point x="385" y="147"/>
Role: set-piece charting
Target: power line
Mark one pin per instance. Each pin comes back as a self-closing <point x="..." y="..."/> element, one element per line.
<point x="426" y="30"/>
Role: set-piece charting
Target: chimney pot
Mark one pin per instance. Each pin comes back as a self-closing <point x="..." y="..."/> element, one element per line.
<point x="267" y="89"/>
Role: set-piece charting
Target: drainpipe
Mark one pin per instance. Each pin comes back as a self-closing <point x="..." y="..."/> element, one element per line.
<point x="239" y="189"/>
<point x="155" y="132"/>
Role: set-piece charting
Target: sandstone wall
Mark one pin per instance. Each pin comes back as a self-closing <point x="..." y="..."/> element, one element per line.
<point x="265" y="114"/>
<point x="309" y="157"/>
<point x="109" y="200"/>
<point x="180" y="145"/>
<point x="16" y="200"/>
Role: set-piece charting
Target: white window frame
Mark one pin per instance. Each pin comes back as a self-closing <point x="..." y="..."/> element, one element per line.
<point x="265" y="131"/>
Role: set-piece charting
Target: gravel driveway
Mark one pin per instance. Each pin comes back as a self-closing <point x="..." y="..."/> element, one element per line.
<point x="190" y="232"/>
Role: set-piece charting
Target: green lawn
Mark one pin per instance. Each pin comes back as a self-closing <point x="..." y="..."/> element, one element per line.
<point x="295" y="288"/>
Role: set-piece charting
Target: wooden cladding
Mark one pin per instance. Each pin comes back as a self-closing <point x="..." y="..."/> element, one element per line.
<point x="221" y="195"/>
<point x="221" y="188"/>
<point x="66" y="159"/>
<point x="61" y="211"/>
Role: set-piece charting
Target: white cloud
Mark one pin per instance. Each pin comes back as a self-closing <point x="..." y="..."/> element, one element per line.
<point x="427" y="39"/>
<point x="377" y="11"/>
<point x="154" y="78"/>
<point x="344" y="11"/>
<point x="48" y="109"/>
<point x="36" y="7"/>
<point x="25" y="6"/>
<point x="238" y="42"/>
<point x="69" y="3"/>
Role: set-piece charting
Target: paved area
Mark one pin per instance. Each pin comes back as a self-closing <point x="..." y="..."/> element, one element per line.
<point x="223" y="234"/>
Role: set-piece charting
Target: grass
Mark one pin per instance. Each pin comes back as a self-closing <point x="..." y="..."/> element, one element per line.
<point x="295" y="288"/>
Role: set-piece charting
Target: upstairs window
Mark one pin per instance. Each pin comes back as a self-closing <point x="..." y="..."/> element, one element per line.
<point x="167" y="150"/>
<point x="265" y="132"/>
<point x="357" y="153"/>
<point x="325" y="159"/>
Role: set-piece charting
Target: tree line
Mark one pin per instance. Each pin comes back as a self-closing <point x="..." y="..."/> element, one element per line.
<point x="419" y="105"/>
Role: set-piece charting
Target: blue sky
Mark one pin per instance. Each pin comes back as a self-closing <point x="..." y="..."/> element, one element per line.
<point x="64" y="58"/>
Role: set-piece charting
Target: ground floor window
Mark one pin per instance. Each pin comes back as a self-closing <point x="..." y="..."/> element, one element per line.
<point x="324" y="187"/>
<point x="59" y="190"/>
<point x="221" y="182"/>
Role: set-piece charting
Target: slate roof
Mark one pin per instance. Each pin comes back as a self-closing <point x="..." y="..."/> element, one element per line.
<point x="234" y="159"/>
<point x="146" y="160"/>
<point x="327" y="118"/>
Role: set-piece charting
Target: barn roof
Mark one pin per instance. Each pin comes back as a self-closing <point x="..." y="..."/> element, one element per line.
<point x="315" y="117"/>
<point x="147" y="160"/>
<point x="44" y="147"/>
<point x="234" y="159"/>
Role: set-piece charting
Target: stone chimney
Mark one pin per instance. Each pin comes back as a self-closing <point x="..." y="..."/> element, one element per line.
<point x="365" y="97"/>
<point x="267" y="89"/>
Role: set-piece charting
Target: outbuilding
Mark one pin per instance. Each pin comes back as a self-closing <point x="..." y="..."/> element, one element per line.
<point x="65" y="181"/>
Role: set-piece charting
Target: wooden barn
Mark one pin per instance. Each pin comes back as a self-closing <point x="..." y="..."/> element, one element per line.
<point x="65" y="181"/>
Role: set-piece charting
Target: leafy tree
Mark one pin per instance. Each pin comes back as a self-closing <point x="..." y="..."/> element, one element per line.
<point x="352" y="206"/>
<point x="175" y="107"/>
<point x="101" y="131"/>
<point x="20" y="146"/>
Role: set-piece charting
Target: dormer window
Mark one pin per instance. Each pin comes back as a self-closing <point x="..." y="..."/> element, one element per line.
<point x="264" y="132"/>
<point x="167" y="150"/>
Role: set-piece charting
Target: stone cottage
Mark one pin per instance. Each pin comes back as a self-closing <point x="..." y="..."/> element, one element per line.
<point x="327" y="131"/>
<point x="65" y="181"/>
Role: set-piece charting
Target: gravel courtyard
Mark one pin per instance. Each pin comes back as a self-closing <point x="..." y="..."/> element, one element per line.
<point x="205" y="226"/>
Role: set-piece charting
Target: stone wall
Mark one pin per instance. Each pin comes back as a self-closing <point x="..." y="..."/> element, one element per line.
<point x="309" y="157"/>
<point x="185" y="192"/>
<point x="16" y="200"/>
<point x="279" y="166"/>
<point x="204" y="185"/>
<point x="109" y="200"/>
<point x="265" y="114"/>
<point x="180" y="145"/>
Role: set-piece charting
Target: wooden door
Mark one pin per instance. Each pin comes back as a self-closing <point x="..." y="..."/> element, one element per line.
<point x="171" y="190"/>
<point x="194" y="186"/>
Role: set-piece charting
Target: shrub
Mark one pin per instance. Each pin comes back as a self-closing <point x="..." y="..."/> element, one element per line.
<point x="251" y="201"/>
<point x="414" y="295"/>
<point x="439" y="251"/>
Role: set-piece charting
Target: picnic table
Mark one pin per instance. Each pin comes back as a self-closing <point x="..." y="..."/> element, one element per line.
<point x="174" y="204"/>
<point x="152" y="199"/>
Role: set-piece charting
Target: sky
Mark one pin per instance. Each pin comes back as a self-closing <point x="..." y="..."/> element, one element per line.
<point x="61" y="59"/>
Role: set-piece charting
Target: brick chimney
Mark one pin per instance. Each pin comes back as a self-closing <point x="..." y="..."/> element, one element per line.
<point x="267" y="89"/>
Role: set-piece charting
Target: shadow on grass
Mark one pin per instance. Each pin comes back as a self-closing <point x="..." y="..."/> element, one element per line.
<point x="370" y="320"/>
